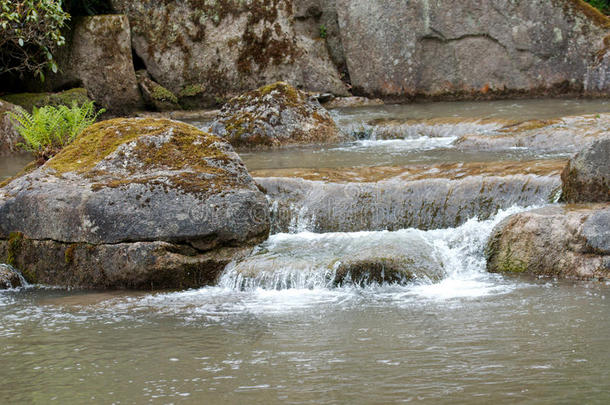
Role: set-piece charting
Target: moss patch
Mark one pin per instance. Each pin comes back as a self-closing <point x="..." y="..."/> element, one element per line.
<point x="14" y="245"/>
<point x="30" y="100"/>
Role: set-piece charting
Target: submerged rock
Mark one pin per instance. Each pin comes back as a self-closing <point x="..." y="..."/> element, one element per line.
<point x="586" y="178"/>
<point x="133" y="203"/>
<point x="474" y="48"/>
<point x="344" y="102"/>
<point x="9" y="137"/>
<point x="275" y="115"/>
<point x="565" y="135"/>
<point x="9" y="278"/>
<point x="570" y="242"/>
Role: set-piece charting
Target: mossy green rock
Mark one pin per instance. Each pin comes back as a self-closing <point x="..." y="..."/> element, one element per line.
<point x="156" y="97"/>
<point x="30" y="100"/>
<point x="275" y="115"/>
<point x="555" y="241"/>
<point x="133" y="203"/>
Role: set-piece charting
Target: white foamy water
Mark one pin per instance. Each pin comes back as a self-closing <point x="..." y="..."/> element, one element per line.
<point x="398" y="145"/>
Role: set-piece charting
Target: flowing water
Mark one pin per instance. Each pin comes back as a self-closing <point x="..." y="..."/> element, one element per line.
<point x="289" y="324"/>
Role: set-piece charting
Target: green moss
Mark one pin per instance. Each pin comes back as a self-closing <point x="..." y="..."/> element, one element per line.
<point x="30" y="100"/>
<point x="191" y="90"/>
<point x="189" y="147"/>
<point x="160" y="93"/>
<point x="14" y="245"/>
<point x="69" y="253"/>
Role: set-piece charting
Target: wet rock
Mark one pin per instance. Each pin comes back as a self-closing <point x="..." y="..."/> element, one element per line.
<point x="344" y="102"/>
<point x="275" y="115"/>
<point x="156" y="97"/>
<point x="133" y="203"/>
<point x="9" y="278"/>
<point x="568" y="242"/>
<point x="426" y="203"/>
<point x="565" y="135"/>
<point x="474" y="48"/>
<point x="30" y="100"/>
<point x="227" y="47"/>
<point x="586" y="178"/>
<point x="9" y="137"/>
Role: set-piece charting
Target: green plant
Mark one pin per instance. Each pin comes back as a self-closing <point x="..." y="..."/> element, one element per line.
<point x="30" y="32"/>
<point x="601" y="5"/>
<point x="323" y="32"/>
<point x="49" y="129"/>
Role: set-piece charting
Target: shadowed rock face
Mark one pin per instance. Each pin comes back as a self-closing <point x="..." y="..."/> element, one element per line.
<point x="474" y="48"/>
<point x="571" y="242"/>
<point x="137" y="203"/>
<point x="9" y="137"/>
<point x="214" y="49"/>
<point x="586" y="178"/>
<point x="275" y="115"/>
<point x="432" y="203"/>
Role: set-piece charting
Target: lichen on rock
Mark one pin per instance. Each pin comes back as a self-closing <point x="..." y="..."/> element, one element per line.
<point x="275" y="115"/>
<point x="133" y="193"/>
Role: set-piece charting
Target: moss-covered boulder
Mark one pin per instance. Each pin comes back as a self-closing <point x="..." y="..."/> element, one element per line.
<point x="586" y="178"/>
<point x="156" y="97"/>
<point x="9" y="137"/>
<point x="556" y="241"/>
<point x="275" y="115"/>
<point x="9" y="278"/>
<point x="30" y="100"/>
<point x="133" y="203"/>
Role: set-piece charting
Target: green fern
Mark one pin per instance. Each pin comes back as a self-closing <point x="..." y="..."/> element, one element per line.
<point x="49" y="129"/>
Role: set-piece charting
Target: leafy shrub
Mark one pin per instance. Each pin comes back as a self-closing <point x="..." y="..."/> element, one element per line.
<point x="30" y="31"/>
<point x="49" y="129"/>
<point x="323" y="32"/>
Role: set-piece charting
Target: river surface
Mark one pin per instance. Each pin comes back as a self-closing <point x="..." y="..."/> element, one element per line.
<point x="278" y="328"/>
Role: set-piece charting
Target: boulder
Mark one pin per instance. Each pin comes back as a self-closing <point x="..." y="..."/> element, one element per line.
<point x="558" y="241"/>
<point x="28" y="101"/>
<point x="9" y="137"/>
<point x="98" y="57"/>
<point x="133" y="203"/>
<point x="474" y="48"/>
<point x="9" y="278"/>
<point x="586" y="178"/>
<point x="275" y="115"/>
<point x="224" y="48"/>
<point x="156" y="97"/>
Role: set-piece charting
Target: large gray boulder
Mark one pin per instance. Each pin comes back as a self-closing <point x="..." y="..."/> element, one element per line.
<point x="275" y="115"/>
<point x="133" y="203"/>
<point x="98" y="57"/>
<point x="9" y="137"/>
<point x="586" y="178"/>
<point x="474" y="48"/>
<point x="567" y="242"/>
<point x="218" y="49"/>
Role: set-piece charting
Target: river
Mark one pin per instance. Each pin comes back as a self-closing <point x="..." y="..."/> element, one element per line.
<point x="281" y="326"/>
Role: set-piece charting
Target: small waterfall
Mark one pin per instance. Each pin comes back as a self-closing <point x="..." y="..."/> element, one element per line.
<point x="11" y="277"/>
<point x="308" y="260"/>
<point x="365" y="131"/>
<point x="434" y="203"/>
